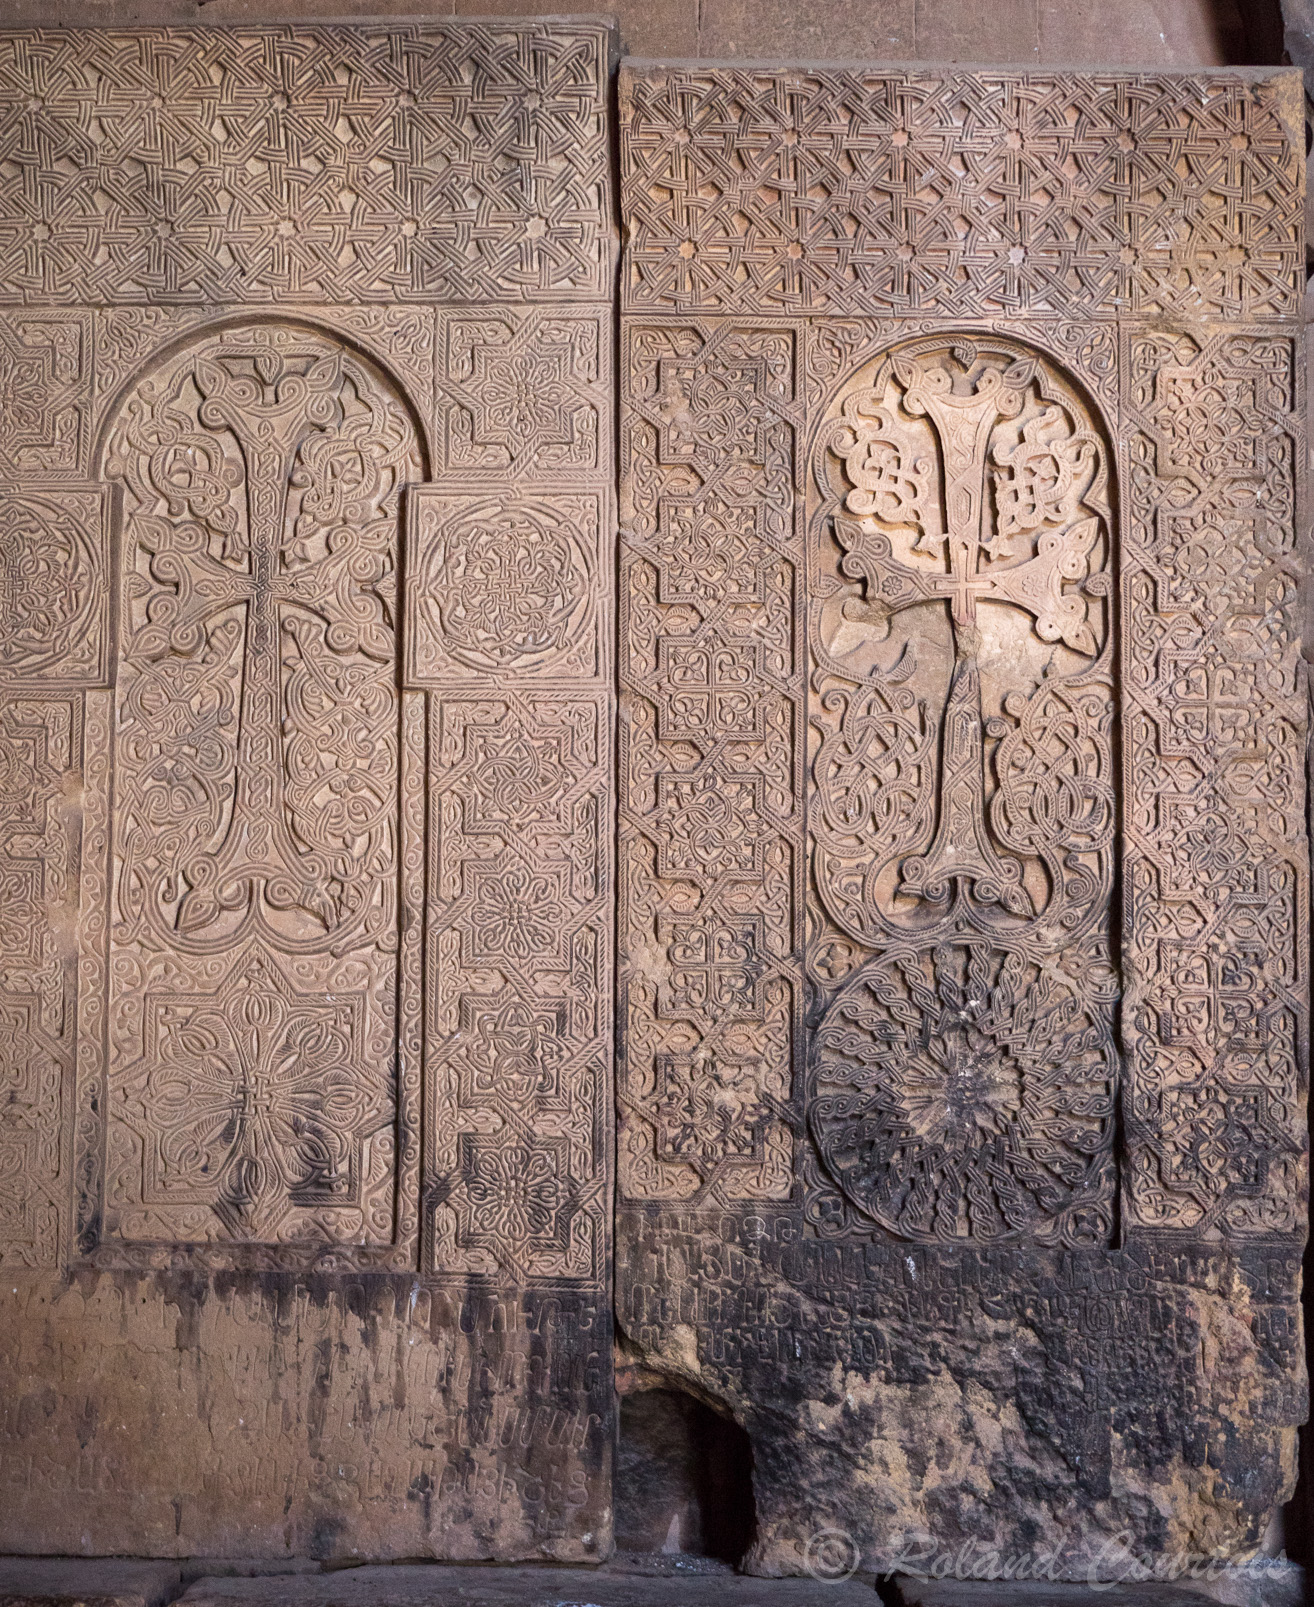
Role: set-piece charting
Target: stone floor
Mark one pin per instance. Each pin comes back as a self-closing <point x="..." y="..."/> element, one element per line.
<point x="93" y="1583"/>
<point x="664" y="1582"/>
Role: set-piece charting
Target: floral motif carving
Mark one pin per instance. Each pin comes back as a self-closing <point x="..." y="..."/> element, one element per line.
<point x="520" y="949"/>
<point x="252" y="1103"/>
<point x="33" y="1171"/>
<point x="965" y="477"/>
<point x="906" y="835"/>
<point x="516" y="1198"/>
<point x="507" y="609"/>
<point x="513" y="1047"/>
<point x="305" y="963"/>
<point x="54" y="592"/>
<point x="257" y="791"/>
<point x="506" y="613"/>
<point x="128" y="339"/>
<point x="41" y="760"/>
<point x="263" y="472"/>
<point x="711" y="827"/>
<point x="711" y="1112"/>
<point x="505" y="585"/>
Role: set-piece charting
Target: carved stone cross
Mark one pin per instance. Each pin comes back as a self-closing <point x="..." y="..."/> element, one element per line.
<point x="880" y="446"/>
<point x="275" y="496"/>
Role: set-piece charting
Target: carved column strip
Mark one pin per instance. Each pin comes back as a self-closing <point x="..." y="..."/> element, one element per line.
<point x="54" y="651"/>
<point x="510" y="594"/>
<point x="1216" y="901"/>
<point x="509" y="627"/>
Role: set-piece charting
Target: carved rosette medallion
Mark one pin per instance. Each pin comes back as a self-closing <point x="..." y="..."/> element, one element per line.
<point x="510" y="586"/>
<point x="962" y="812"/>
<point x="964" y="1092"/>
<point x="503" y="585"/>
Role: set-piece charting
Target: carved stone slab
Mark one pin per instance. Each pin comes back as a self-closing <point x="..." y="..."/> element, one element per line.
<point x="963" y="922"/>
<point x="305" y="725"/>
<point x="341" y="165"/>
<point x="957" y="820"/>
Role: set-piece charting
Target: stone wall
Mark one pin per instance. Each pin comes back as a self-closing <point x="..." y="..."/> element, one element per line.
<point x="349" y="1408"/>
<point x="1130" y="33"/>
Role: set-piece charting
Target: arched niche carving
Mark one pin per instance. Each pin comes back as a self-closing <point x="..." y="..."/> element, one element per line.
<point x="258" y="794"/>
<point x="962" y="808"/>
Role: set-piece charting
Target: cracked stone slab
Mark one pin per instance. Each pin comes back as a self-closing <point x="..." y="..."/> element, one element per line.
<point x="88" y="1582"/>
<point x="517" y="1587"/>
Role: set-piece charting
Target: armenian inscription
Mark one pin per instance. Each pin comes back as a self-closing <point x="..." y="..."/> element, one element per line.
<point x="926" y="794"/>
<point x="964" y="917"/>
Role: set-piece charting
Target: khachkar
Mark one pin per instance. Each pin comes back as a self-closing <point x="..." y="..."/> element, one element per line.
<point x="962" y="870"/>
<point x="304" y="882"/>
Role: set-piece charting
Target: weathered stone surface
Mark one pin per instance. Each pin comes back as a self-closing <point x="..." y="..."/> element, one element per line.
<point x="1040" y="1593"/>
<point x="683" y="1486"/>
<point x="265" y="292"/>
<point x="517" y="1587"/>
<point x="97" y="1582"/>
<point x="958" y="507"/>
<point x="288" y="1416"/>
<point x="762" y="30"/>
<point x="962" y="877"/>
<point x="1266" y="1582"/>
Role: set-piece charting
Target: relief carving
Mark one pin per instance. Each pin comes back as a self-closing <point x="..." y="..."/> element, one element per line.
<point x="257" y="793"/>
<point x="41" y="753"/>
<point x="54" y="585"/>
<point x="955" y="848"/>
<point x="44" y="383"/>
<point x="523" y="392"/>
<point x="711" y="823"/>
<point x="54" y="637"/>
<point x="1007" y="756"/>
<point x="1214" y="791"/>
<point x="508" y="604"/>
<point x="127" y="340"/>
<point x="254" y="1096"/>
<point x="33" y="1172"/>
<point x="305" y="900"/>
<point x="963" y="819"/>
<point x="505" y="585"/>
<point x="322" y="164"/>
<point x="907" y="193"/>
<point x="520" y="949"/>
